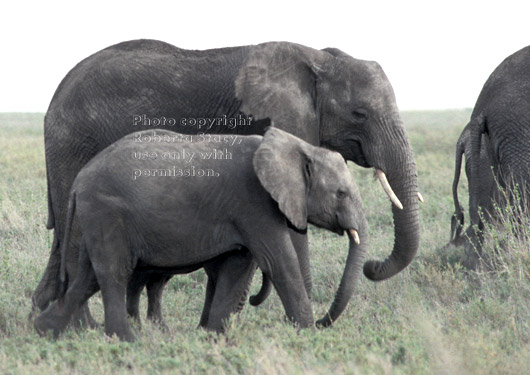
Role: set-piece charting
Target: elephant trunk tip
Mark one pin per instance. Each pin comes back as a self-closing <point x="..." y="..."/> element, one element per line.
<point x="376" y="270"/>
<point x="373" y="270"/>
<point x="325" y="322"/>
<point x="266" y="287"/>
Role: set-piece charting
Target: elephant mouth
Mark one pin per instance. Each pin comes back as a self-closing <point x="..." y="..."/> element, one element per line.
<point x="350" y="149"/>
<point x="342" y="227"/>
<point x="357" y="154"/>
<point x="328" y="223"/>
<point x="339" y="231"/>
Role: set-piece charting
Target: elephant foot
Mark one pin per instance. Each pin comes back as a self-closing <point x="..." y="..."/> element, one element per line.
<point x="42" y="298"/>
<point x="160" y="323"/>
<point x="306" y="323"/>
<point x="220" y="329"/>
<point x="51" y="320"/>
<point x="134" y="314"/>
<point x="473" y="259"/>
<point x="471" y="263"/>
<point x="154" y="315"/>
<point x="83" y="319"/>
<point x="127" y="336"/>
<point x="122" y="330"/>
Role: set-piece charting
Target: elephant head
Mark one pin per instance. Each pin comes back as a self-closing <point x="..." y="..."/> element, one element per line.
<point x="312" y="184"/>
<point x="347" y="105"/>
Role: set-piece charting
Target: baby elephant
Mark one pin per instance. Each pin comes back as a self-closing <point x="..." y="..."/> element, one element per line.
<point x="171" y="203"/>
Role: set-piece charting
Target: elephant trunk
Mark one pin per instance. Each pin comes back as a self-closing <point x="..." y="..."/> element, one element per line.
<point x="402" y="177"/>
<point x="350" y="277"/>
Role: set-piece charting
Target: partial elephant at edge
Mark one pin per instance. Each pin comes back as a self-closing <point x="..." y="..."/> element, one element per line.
<point x="496" y="147"/>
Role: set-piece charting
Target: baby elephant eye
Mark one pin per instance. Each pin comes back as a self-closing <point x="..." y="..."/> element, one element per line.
<point x="359" y="116"/>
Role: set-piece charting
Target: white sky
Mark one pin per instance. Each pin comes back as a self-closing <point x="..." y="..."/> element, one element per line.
<point x="437" y="54"/>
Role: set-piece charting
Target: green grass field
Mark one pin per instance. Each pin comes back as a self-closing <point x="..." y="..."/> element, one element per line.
<point x="433" y="318"/>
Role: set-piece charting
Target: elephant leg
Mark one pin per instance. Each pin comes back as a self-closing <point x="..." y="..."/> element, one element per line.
<point x="111" y="262"/>
<point x="210" y="289"/>
<point x="47" y="289"/>
<point x="135" y="286"/>
<point x="155" y="288"/>
<point x="473" y="246"/>
<point x="82" y="318"/>
<point x="231" y="286"/>
<point x="278" y="259"/>
<point x="301" y="245"/>
<point x="113" y="291"/>
<point x="57" y="316"/>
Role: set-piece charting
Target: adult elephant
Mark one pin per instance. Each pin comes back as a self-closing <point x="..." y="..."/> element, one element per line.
<point x="326" y="98"/>
<point x="496" y="146"/>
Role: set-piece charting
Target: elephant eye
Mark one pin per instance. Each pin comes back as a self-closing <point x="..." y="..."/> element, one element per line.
<point x="359" y="116"/>
<point x="341" y="194"/>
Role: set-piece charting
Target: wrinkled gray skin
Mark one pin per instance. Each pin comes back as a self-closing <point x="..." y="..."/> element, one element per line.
<point x="496" y="146"/>
<point x="324" y="97"/>
<point x="233" y="220"/>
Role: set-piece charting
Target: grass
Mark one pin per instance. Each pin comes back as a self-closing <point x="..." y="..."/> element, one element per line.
<point x="432" y="318"/>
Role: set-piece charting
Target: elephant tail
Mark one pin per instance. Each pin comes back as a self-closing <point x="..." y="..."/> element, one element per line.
<point x="50" y="224"/>
<point x="266" y="287"/>
<point x="64" y="246"/>
<point x="477" y="128"/>
<point x="457" y="220"/>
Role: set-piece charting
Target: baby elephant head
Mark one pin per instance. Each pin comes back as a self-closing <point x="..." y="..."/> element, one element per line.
<point x="309" y="183"/>
<point x="312" y="184"/>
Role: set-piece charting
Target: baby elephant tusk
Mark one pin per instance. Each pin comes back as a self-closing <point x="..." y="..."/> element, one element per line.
<point x="355" y="236"/>
<point x="386" y="186"/>
<point x="420" y="197"/>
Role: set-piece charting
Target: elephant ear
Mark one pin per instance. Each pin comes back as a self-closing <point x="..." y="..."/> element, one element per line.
<point x="278" y="81"/>
<point x="283" y="165"/>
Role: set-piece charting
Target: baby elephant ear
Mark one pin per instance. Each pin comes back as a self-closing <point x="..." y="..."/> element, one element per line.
<point x="281" y="163"/>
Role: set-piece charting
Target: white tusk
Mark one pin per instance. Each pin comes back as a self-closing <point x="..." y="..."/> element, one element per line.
<point x="355" y="236"/>
<point x="386" y="186"/>
<point x="420" y="198"/>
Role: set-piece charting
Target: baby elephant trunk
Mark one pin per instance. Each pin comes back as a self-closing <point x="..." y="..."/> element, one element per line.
<point x="352" y="273"/>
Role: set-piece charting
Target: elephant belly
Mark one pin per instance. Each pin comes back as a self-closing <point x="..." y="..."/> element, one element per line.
<point x="167" y="271"/>
<point x="184" y="254"/>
